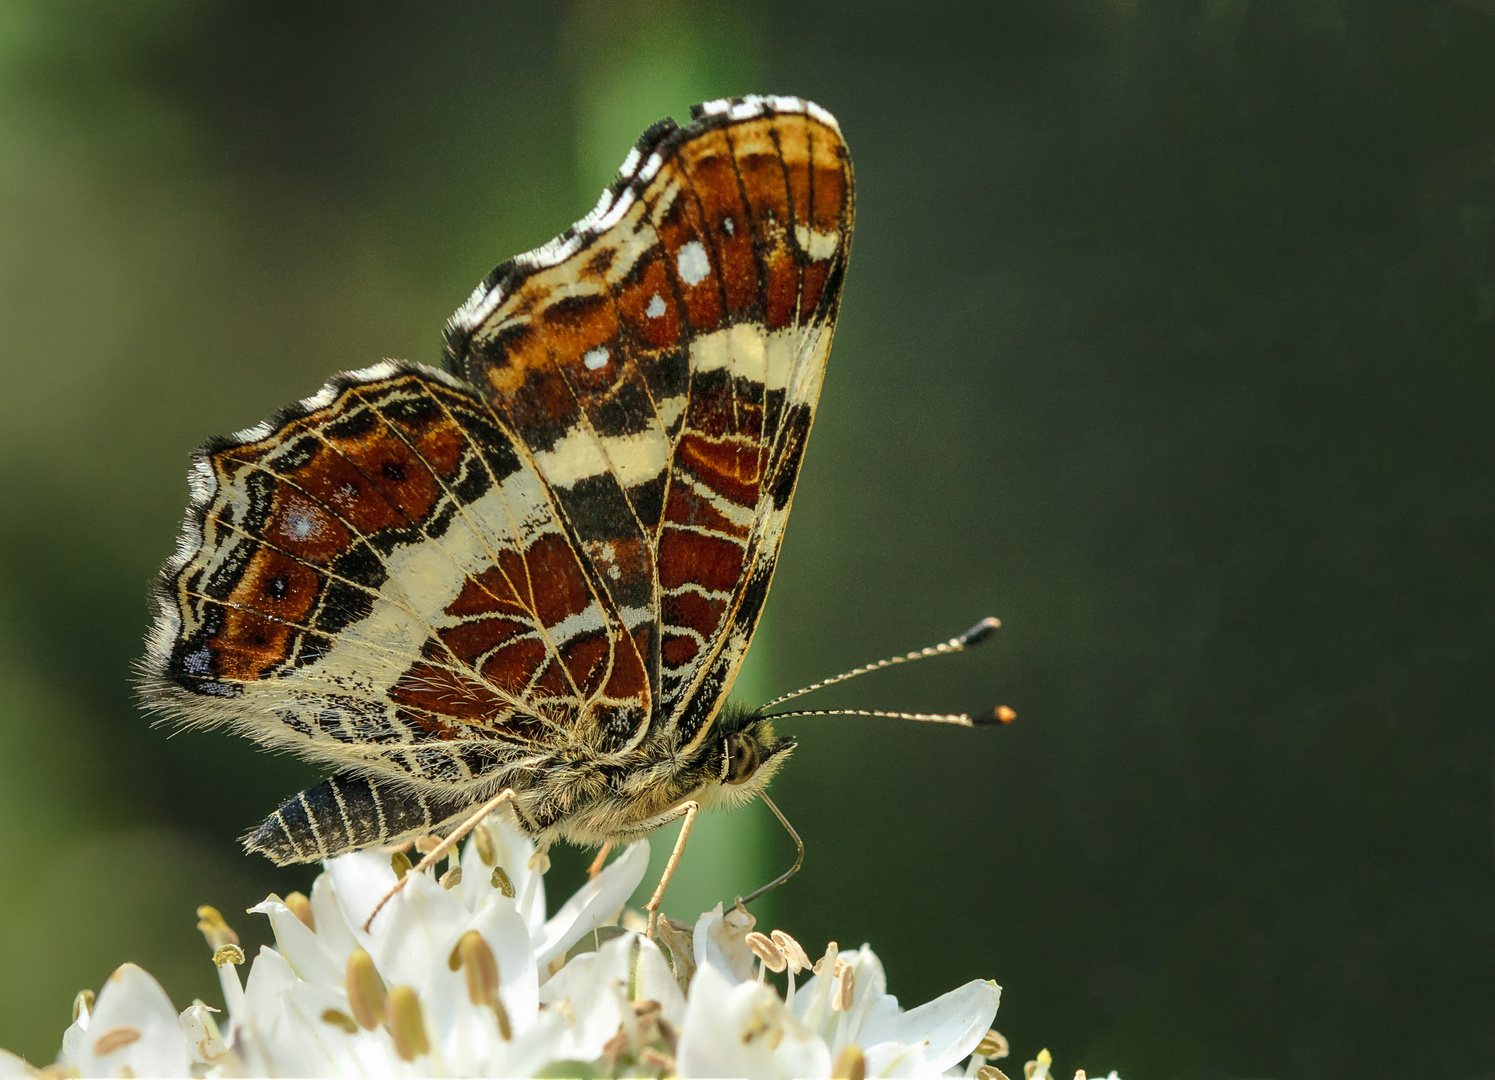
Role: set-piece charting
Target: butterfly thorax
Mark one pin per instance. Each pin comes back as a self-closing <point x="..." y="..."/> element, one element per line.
<point x="591" y="800"/>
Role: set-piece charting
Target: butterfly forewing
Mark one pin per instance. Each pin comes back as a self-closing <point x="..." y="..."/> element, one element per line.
<point x="662" y="361"/>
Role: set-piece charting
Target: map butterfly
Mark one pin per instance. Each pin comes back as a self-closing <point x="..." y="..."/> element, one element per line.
<point x="540" y="567"/>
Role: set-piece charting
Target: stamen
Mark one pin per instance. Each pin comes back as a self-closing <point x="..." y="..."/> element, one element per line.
<point x="990" y="1072"/>
<point x="365" y="990"/>
<point x="832" y="954"/>
<point x="767" y="950"/>
<point x="657" y="1059"/>
<point x="851" y="1063"/>
<point x="400" y="863"/>
<point x="340" y="1020"/>
<point x="1080" y="1074"/>
<point x="992" y="1045"/>
<point x="116" y="1038"/>
<point x="406" y="1025"/>
<point x="211" y="923"/>
<point x="1038" y="1067"/>
<point x="427" y="844"/>
<point x="501" y="882"/>
<point x="484" y="841"/>
<point x="539" y="862"/>
<point x="794" y="953"/>
<point x="844" y="991"/>
<point x="301" y="907"/>
<point x="452" y="878"/>
<point x="228" y="954"/>
<point x="473" y="955"/>
<point x="83" y="1004"/>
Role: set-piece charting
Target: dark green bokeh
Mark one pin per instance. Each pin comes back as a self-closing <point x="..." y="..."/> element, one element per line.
<point x="1169" y="338"/>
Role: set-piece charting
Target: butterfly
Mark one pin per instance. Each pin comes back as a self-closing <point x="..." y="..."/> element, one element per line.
<point x="537" y="568"/>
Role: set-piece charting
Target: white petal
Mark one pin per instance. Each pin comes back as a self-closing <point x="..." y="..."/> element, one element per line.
<point x="656" y="982"/>
<point x="333" y="929"/>
<point x="204" y="1040"/>
<point x="468" y="1034"/>
<point x="721" y="941"/>
<point x="359" y="882"/>
<point x="941" y="1031"/>
<point x="592" y="903"/>
<point x="134" y="1029"/>
<point x="415" y="931"/>
<point x="530" y="1051"/>
<point x="744" y="1030"/>
<point x="588" y="993"/>
<point x="301" y="948"/>
<point x="13" y="1067"/>
<point x="283" y="1034"/>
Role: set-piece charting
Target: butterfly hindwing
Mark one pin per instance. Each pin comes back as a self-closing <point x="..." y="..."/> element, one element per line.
<point x="382" y="577"/>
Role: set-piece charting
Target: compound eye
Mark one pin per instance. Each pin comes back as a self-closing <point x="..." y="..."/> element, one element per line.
<point x="742" y="758"/>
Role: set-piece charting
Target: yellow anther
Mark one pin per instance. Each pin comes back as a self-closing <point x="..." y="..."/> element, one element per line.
<point x="483" y="839"/>
<point x="473" y="956"/>
<point x="851" y="1063"/>
<point x="501" y="882"/>
<point x="794" y="953"/>
<point x="992" y="1045"/>
<point x="828" y="960"/>
<point x="213" y="926"/>
<point x="1044" y="1060"/>
<point x="340" y="1020"/>
<point x="539" y="862"/>
<point x="452" y="878"/>
<point x="765" y="949"/>
<point x="83" y="1003"/>
<point x="228" y="954"/>
<point x="406" y="1025"/>
<point x="426" y="844"/>
<point x="400" y="863"/>
<point x="116" y="1038"/>
<point x="845" y="989"/>
<point x="365" y="990"/>
<point x="301" y="908"/>
<point x="990" y="1072"/>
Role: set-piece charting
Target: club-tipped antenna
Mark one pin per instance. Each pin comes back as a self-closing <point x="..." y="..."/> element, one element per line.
<point x="974" y="636"/>
<point x="999" y="715"/>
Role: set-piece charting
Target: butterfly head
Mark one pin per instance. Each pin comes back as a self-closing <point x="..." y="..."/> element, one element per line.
<point x="743" y="755"/>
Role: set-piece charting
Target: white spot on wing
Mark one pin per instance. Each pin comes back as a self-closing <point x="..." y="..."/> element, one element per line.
<point x="731" y="228"/>
<point x="816" y="244"/>
<point x="595" y="358"/>
<point x="692" y="263"/>
<point x="655" y="308"/>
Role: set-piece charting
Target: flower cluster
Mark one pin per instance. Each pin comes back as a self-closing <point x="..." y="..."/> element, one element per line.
<point x="466" y="976"/>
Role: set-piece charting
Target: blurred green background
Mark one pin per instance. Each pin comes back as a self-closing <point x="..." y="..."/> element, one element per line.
<point x="1169" y="338"/>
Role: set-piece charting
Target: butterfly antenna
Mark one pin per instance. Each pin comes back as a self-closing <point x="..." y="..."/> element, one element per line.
<point x="974" y="636"/>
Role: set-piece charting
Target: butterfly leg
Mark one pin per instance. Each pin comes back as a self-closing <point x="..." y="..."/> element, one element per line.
<point x="436" y="854"/>
<point x="689" y="808"/>
<point x="599" y="861"/>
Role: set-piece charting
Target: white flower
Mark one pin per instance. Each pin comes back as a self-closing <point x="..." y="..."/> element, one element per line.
<point x="465" y="976"/>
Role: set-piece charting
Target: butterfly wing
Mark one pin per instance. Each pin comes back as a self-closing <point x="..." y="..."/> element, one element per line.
<point x="661" y="360"/>
<point x="379" y="578"/>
